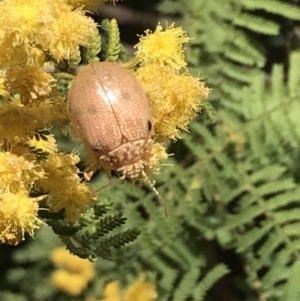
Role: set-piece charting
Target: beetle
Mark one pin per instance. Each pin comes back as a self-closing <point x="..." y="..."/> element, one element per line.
<point x="110" y="114"/>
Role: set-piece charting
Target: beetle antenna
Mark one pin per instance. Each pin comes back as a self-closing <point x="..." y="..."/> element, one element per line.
<point x="160" y="198"/>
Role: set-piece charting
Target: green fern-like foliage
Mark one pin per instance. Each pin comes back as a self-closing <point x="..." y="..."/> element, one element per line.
<point x="266" y="195"/>
<point x="247" y="161"/>
<point x="94" y="235"/>
<point x="113" y="49"/>
<point x="165" y="250"/>
<point x="90" y="55"/>
<point x="113" y="46"/>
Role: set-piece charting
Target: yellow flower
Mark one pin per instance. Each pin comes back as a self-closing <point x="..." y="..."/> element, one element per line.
<point x="46" y="23"/>
<point x="16" y="173"/>
<point x="174" y="98"/>
<point x="18" y="122"/>
<point x="13" y="48"/>
<point x="62" y="258"/>
<point x="28" y="14"/>
<point x="18" y="214"/>
<point x="162" y="47"/>
<point x="141" y="290"/>
<point x="57" y="37"/>
<point x="112" y="292"/>
<point x="73" y="274"/>
<point x="14" y="38"/>
<point x="71" y="283"/>
<point x="31" y="82"/>
<point x="64" y="186"/>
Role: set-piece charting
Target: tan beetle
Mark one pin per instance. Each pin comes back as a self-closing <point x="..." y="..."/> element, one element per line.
<point x="110" y="114"/>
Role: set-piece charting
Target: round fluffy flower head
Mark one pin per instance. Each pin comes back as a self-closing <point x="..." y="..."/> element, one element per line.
<point x="71" y="283"/>
<point x="174" y="98"/>
<point x="73" y="274"/>
<point x="141" y="290"/>
<point x="30" y="82"/>
<point x="18" y="214"/>
<point x="62" y="258"/>
<point x="162" y="47"/>
<point x="17" y="122"/>
<point x="63" y="42"/>
<point x="112" y="292"/>
<point x="64" y="185"/>
<point x="46" y="23"/>
<point x="17" y="173"/>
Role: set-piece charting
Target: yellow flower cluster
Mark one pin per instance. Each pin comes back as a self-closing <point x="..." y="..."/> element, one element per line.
<point x="35" y="34"/>
<point x="35" y="37"/>
<point x="32" y="28"/>
<point x="18" y="211"/>
<point x="162" y="47"/>
<point x="73" y="273"/>
<point x="175" y="97"/>
<point x="141" y="290"/>
<point x="31" y="82"/>
<point x="65" y="190"/>
<point x="17" y="215"/>
<point x="18" y="123"/>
